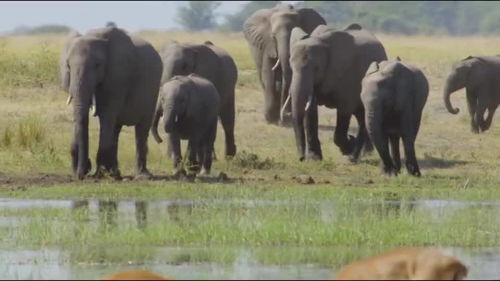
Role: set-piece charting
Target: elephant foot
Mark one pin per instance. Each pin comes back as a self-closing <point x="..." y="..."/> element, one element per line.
<point x="230" y="151"/>
<point x="475" y="130"/>
<point x="193" y="168"/>
<point x="348" y="148"/>
<point x="204" y="172"/>
<point x="81" y="173"/>
<point x="144" y="175"/>
<point x="102" y="172"/>
<point x="353" y="159"/>
<point x="389" y="171"/>
<point x="413" y="170"/>
<point x="314" y="156"/>
<point x="179" y="173"/>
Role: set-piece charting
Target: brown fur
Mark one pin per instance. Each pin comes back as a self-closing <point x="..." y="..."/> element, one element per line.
<point x="135" y="275"/>
<point x="412" y="263"/>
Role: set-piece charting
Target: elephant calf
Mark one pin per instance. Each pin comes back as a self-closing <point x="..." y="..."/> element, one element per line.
<point x="394" y="94"/>
<point x="190" y="105"/>
<point x="480" y="76"/>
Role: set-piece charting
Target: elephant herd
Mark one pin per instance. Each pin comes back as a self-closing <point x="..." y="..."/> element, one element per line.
<point x="301" y="63"/>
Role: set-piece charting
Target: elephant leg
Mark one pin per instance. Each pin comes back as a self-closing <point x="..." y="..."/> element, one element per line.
<point x="272" y="102"/>
<point x="396" y="157"/>
<point x="141" y="147"/>
<point x="479" y="116"/>
<point x="106" y="153"/>
<point x="487" y="123"/>
<point x="74" y="158"/>
<point x="194" y="146"/>
<point x="409" y="134"/>
<point x="344" y="141"/>
<point x="361" y="137"/>
<point x="208" y="150"/>
<point x="227" y="120"/>
<point x="380" y="139"/>
<point x="311" y="121"/>
<point x="176" y="156"/>
<point x="472" y="106"/>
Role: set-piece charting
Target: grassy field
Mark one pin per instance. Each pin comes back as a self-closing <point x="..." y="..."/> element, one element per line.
<point x="36" y="129"/>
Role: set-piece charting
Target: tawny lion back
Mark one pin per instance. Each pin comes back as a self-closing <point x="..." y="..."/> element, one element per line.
<point x="135" y="275"/>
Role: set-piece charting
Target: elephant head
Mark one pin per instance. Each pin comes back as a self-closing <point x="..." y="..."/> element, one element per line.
<point x="457" y="79"/>
<point x="98" y="64"/>
<point x="269" y="30"/>
<point x="173" y="104"/>
<point x="178" y="59"/>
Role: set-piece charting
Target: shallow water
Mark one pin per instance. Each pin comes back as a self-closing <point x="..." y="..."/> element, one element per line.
<point x="205" y="263"/>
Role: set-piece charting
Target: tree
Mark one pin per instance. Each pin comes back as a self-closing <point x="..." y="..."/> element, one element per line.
<point x="235" y="22"/>
<point x="491" y="23"/>
<point x="198" y="15"/>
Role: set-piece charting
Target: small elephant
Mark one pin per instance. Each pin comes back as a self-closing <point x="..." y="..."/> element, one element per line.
<point x="480" y="76"/>
<point x="394" y="94"/>
<point x="190" y="105"/>
<point x="212" y="63"/>
<point x="328" y="66"/>
<point x="122" y="74"/>
<point x="267" y="32"/>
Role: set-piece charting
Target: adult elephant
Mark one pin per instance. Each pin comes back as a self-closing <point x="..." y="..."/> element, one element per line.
<point x="267" y="32"/>
<point x="212" y="63"/>
<point x="122" y="73"/>
<point x="480" y="76"/>
<point x="328" y="67"/>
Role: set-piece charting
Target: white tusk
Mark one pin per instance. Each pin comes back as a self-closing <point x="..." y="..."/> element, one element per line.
<point x="70" y="98"/>
<point x="308" y="104"/>
<point x="93" y="106"/>
<point x="276" y="65"/>
<point x="282" y="112"/>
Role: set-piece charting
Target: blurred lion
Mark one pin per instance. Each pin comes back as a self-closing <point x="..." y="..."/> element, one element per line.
<point x="412" y="263"/>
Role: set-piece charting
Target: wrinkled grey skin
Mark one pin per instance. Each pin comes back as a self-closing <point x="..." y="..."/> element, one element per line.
<point x="267" y="32"/>
<point x="327" y="67"/>
<point x="189" y="105"/>
<point x="394" y="94"/>
<point x="122" y="73"/>
<point x="480" y="76"/>
<point x="212" y="63"/>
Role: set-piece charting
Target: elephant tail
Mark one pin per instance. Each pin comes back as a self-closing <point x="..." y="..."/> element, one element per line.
<point x="156" y="120"/>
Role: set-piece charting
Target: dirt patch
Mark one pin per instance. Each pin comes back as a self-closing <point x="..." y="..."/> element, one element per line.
<point x="20" y="181"/>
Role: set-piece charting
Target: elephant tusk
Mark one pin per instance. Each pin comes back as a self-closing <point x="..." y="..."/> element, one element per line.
<point x="93" y="106"/>
<point x="282" y="112"/>
<point x="276" y="65"/>
<point x="70" y="98"/>
<point x="308" y="105"/>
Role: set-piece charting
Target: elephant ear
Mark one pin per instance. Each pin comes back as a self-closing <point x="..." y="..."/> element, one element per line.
<point x="208" y="42"/>
<point x="398" y="58"/>
<point x="297" y="35"/>
<point x="341" y="54"/>
<point x="63" y="60"/>
<point x="257" y="31"/>
<point x="374" y="67"/>
<point x="353" y="26"/>
<point x="468" y="58"/>
<point x="121" y="58"/>
<point x="310" y="19"/>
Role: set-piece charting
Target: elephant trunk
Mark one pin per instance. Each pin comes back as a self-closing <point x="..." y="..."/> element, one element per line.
<point x="286" y="74"/>
<point x="450" y="87"/>
<point x="301" y="90"/>
<point x="156" y="120"/>
<point x="170" y="119"/>
<point x="82" y="96"/>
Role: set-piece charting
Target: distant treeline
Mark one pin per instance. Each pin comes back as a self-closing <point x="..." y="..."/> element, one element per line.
<point x="42" y="29"/>
<point x="400" y="17"/>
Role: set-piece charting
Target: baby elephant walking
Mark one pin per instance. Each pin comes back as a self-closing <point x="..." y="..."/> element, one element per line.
<point x="394" y="94"/>
<point x="190" y="105"/>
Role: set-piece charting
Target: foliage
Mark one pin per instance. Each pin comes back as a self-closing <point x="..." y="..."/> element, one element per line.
<point x="198" y="15"/>
<point x="235" y="22"/>
<point x="42" y="29"/>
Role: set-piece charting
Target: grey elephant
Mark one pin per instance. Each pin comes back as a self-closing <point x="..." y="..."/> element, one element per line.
<point x="480" y="76"/>
<point x="212" y="63"/>
<point x="328" y="66"/>
<point x="122" y="73"/>
<point x="189" y="106"/>
<point x="268" y="32"/>
<point x="394" y="94"/>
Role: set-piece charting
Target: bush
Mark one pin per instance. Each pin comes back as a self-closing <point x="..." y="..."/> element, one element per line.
<point x="491" y="23"/>
<point x="396" y="25"/>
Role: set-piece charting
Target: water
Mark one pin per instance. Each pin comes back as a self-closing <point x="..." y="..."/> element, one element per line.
<point x="214" y="263"/>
